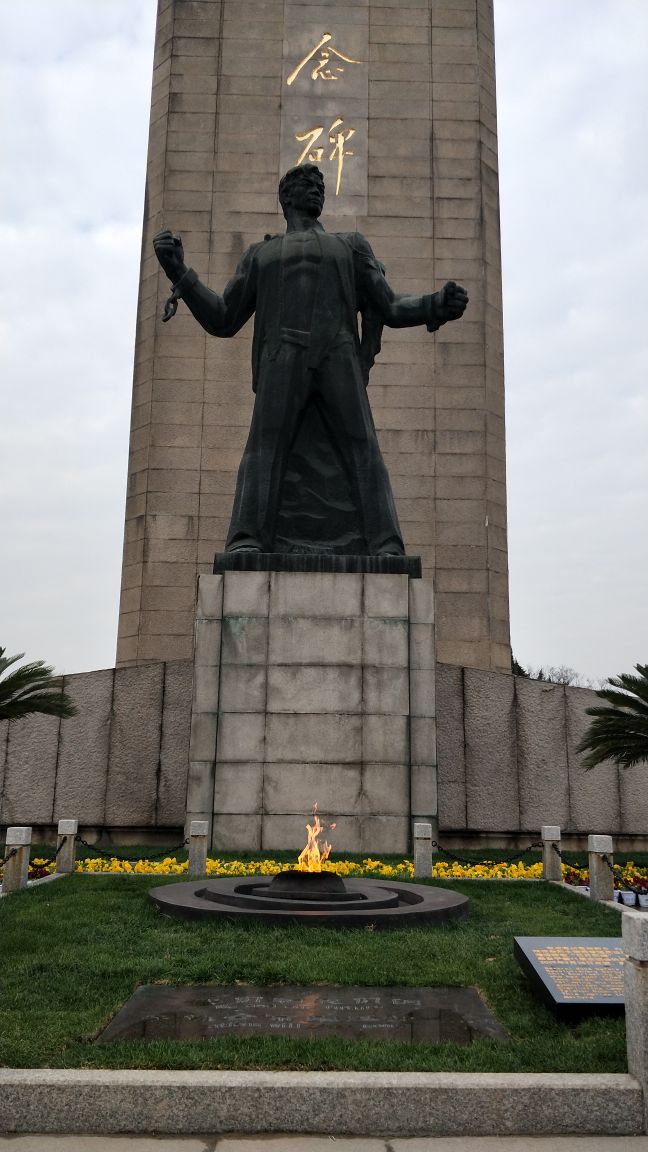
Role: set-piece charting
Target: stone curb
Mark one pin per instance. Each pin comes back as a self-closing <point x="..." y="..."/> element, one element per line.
<point x="35" y="883"/>
<point x="336" y="1103"/>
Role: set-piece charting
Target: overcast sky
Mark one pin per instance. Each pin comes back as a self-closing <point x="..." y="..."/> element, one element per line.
<point x="573" y="124"/>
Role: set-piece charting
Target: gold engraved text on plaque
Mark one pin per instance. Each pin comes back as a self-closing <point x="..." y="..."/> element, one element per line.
<point x="583" y="972"/>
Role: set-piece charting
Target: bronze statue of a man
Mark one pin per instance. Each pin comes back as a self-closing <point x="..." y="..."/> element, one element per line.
<point x="306" y="289"/>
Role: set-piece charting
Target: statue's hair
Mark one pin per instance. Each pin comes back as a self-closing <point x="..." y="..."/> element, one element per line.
<point x="287" y="181"/>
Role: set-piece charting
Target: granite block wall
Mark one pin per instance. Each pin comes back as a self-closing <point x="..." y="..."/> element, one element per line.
<point x="120" y="763"/>
<point x="507" y="759"/>
<point x="505" y="751"/>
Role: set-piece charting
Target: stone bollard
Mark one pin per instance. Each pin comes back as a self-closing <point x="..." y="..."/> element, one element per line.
<point x="601" y="878"/>
<point x="66" y="855"/>
<point x="551" y="862"/>
<point x="422" y="849"/>
<point x="198" y="831"/>
<point x="16" y="870"/>
<point x="634" y="930"/>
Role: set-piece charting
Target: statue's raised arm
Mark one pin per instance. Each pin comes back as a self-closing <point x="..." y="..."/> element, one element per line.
<point x="452" y="302"/>
<point x="170" y="253"/>
<point x="219" y="315"/>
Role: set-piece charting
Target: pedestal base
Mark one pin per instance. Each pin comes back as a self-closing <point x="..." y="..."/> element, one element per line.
<point x="313" y="687"/>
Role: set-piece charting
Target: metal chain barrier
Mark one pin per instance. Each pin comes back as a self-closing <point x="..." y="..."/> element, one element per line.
<point x="52" y="860"/>
<point x="574" y="867"/>
<point x="617" y="872"/>
<point x="38" y="870"/>
<point x="10" y="853"/>
<point x="475" y="863"/>
<point x="615" y="869"/>
<point x="131" y="859"/>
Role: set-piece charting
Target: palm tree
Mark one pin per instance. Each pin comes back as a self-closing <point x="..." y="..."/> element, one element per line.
<point x="32" y="688"/>
<point x="619" y="730"/>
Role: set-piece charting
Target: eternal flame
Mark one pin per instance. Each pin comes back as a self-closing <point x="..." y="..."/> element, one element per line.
<point x="306" y="289"/>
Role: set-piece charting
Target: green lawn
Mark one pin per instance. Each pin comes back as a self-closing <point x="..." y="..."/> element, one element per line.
<point x="72" y="951"/>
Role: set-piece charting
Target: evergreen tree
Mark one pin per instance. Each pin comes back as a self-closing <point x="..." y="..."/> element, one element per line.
<point x="32" y="688"/>
<point x="619" y="729"/>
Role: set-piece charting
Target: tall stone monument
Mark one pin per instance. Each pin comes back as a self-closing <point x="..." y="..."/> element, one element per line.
<point x="397" y="106"/>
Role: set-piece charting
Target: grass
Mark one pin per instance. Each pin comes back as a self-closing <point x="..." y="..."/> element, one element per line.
<point x="72" y="951"/>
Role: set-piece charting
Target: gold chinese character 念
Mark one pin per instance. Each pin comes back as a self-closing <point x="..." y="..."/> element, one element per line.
<point x="322" y="71"/>
<point x="337" y="138"/>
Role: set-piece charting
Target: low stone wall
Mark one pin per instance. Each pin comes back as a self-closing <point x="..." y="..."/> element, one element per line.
<point x="507" y="758"/>
<point x="120" y="763"/>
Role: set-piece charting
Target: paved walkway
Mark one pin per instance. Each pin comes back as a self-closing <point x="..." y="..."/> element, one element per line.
<point x="262" y="1143"/>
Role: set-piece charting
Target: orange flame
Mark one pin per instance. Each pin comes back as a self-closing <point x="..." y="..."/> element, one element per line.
<point x="314" y="854"/>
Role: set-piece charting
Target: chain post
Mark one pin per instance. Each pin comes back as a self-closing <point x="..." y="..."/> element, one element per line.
<point x="601" y="873"/>
<point x="551" y="861"/>
<point x="66" y="845"/>
<point x="16" y="869"/>
<point x="198" y="834"/>
<point x="422" y="849"/>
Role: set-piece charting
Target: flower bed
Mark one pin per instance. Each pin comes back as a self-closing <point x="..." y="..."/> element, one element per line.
<point x="629" y="874"/>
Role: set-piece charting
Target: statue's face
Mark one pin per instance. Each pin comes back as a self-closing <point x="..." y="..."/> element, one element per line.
<point x="307" y="193"/>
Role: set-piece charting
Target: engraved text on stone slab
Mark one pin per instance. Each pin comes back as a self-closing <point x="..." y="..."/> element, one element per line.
<point x="202" y="1012"/>
<point x="572" y="971"/>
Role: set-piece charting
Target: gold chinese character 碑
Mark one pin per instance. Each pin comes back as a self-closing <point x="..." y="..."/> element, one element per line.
<point x="324" y="69"/>
<point x="337" y="137"/>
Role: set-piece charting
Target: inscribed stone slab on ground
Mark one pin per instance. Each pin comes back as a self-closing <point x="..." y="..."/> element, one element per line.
<point x="408" y="1015"/>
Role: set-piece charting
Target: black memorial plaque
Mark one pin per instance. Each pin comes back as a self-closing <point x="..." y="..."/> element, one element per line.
<point x="574" y="974"/>
<point x="203" y="1012"/>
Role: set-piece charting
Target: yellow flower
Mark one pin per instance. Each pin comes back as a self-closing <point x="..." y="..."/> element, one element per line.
<point x="441" y="869"/>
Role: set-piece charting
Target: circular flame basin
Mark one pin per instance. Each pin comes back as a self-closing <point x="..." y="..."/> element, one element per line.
<point x="311" y="897"/>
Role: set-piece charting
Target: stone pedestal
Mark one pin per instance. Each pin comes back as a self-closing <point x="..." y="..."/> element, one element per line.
<point x="551" y="861"/>
<point x="66" y="845"/>
<point x="16" y="869"/>
<point x="601" y="877"/>
<point x="308" y="687"/>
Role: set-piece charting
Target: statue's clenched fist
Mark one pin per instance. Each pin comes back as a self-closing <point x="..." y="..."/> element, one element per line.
<point x="452" y="301"/>
<point x="170" y="253"/>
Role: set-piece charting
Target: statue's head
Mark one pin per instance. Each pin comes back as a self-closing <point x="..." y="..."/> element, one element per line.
<point x="302" y="188"/>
